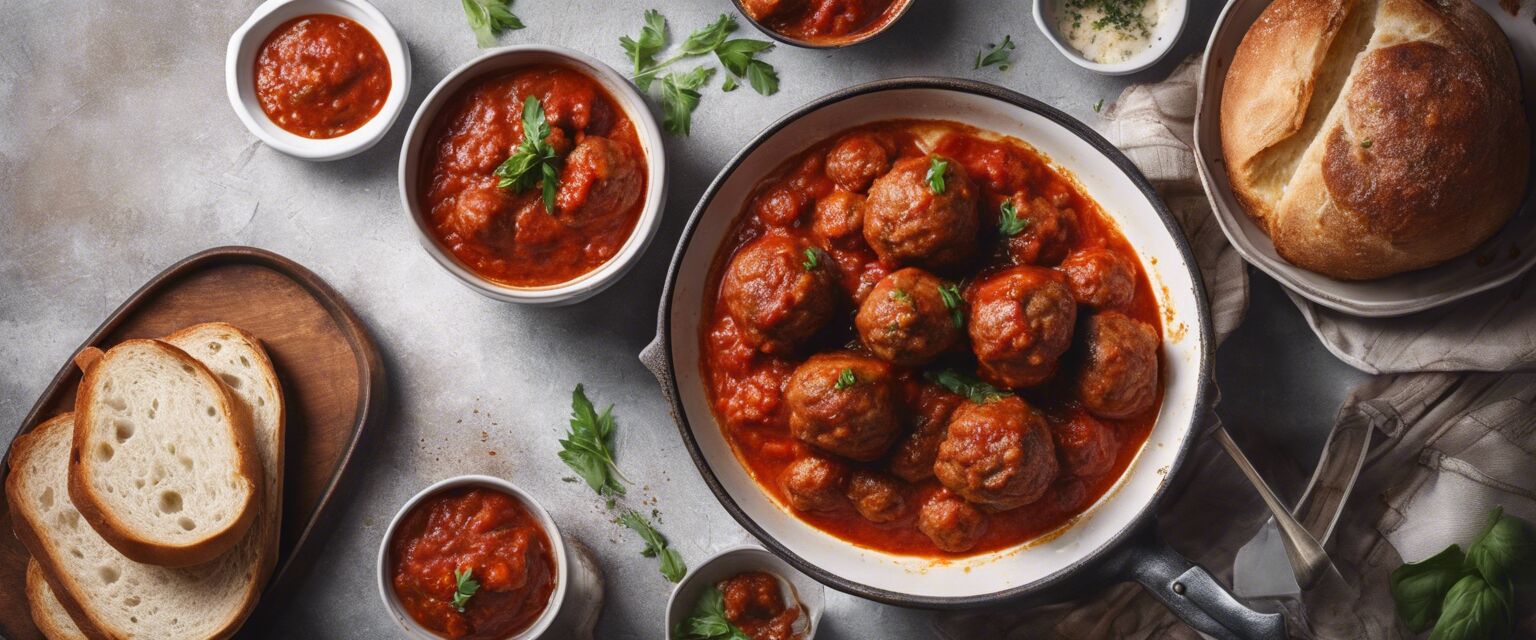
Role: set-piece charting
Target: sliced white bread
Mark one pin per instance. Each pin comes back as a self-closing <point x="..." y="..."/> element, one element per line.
<point x="162" y="465"/>
<point x="47" y="613"/>
<point x="106" y="594"/>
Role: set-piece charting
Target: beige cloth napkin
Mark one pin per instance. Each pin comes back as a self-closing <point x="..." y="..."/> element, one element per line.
<point x="1446" y="447"/>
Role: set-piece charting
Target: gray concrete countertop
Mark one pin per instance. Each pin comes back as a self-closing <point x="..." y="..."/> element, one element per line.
<point x="119" y="155"/>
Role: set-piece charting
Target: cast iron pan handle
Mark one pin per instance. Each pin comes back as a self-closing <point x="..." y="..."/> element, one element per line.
<point x="1190" y="592"/>
<point x="656" y="359"/>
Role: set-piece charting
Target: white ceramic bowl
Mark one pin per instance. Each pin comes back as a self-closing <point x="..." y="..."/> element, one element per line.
<point x="1163" y="36"/>
<point x="1488" y="266"/>
<point x="618" y="86"/>
<point x="562" y="560"/>
<point x="807" y="592"/>
<point x="240" y="69"/>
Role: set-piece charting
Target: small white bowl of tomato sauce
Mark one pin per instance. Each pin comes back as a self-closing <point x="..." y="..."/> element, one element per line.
<point x="317" y="79"/>
<point x="751" y="589"/>
<point x="550" y="218"/>
<point x="475" y="556"/>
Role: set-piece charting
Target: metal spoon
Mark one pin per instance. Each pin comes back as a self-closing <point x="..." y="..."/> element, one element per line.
<point x="1308" y="560"/>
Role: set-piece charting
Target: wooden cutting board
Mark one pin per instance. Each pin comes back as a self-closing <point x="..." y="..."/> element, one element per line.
<point x="333" y="384"/>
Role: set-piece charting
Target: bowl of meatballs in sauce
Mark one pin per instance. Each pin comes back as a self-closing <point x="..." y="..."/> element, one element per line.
<point x="534" y="174"/>
<point x="933" y="342"/>
<point x="823" y="24"/>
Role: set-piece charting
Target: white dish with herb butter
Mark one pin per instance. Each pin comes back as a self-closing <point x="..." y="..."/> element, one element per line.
<point x="1112" y="37"/>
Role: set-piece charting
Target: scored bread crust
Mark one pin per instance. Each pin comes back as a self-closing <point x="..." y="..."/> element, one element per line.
<point x="47" y="612"/>
<point x="1373" y="137"/>
<point x="112" y="528"/>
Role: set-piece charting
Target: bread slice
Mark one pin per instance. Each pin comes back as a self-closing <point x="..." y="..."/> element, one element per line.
<point x="108" y="595"/>
<point x="163" y="466"/>
<point x="47" y="613"/>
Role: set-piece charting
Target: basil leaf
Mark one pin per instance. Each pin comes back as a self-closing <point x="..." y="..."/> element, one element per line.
<point x="1505" y="552"/>
<point x="1475" y="610"/>
<point x="588" y="447"/>
<point x="672" y="566"/>
<point x="1420" y="587"/>
<point x="763" y="78"/>
<point x="997" y="55"/>
<point x="937" y="167"/>
<point x="488" y="18"/>
<point x="977" y="390"/>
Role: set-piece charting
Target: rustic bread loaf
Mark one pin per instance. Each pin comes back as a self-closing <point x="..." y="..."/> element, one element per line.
<point x="1373" y="137"/>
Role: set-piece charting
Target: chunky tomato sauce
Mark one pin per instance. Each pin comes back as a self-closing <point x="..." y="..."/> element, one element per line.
<point x="823" y="20"/>
<point x="492" y="536"/>
<point x="746" y="385"/>
<point x="754" y="602"/>
<point x="512" y="236"/>
<point x="321" y="76"/>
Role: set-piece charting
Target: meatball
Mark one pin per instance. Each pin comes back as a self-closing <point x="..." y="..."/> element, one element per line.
<point x="775" y="295"/>
<point x="859" y="158"/>
<point x="1087" y="446"/>
<point x="912" y="459"/>
<point x="1119" y="374"/>
<point x="906" y="223"/>
<point x="876" y="496"/>
<point x="814" y="483"/>
<point x="602" y="177"/>
<point x="839" y="218"/>
<point x="951" y="523"/>
<point x="761" y="10"/>
<point x="997" y="454"/>
<point x="484" y="213"/>
<point x="1047" y="234"/>
<point x="905" y="319"/>
<point x="1100" y="278"/>
<point x="844" y="404"/>
<point x="1021" y="322"/>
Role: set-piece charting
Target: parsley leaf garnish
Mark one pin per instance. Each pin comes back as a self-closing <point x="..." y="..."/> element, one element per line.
<point x="1008" y="221"/>
<point x="655" y="545"/>
<point x="937" y="167"/>
<point x="951" y="295"/>
<point x="488" y="18"/>
<point x="653" y="38"/>
<point x="1098" y="106"/>
<point x="738" y="58"/>
<point x="812" y="258"/>
<point x="846" y="379"/>
<point x="680" y="96"/>
<point x="900" y="296"/>
<point x="587" y="448"/>
<point x="971" y="387"/>
<point x="465" y="586"/>
<point x="708" y="621"/>
<point x="535" y="160"/>
<point x="680" y="92"/>
<point x="997" y="55"/>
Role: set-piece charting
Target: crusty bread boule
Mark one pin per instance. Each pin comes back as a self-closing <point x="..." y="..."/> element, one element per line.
<point x="1373" y="137"/>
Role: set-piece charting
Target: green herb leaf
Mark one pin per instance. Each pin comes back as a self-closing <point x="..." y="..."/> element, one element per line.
<point x="1420" y="587"/>
<point x="705" y="40"/>
<point x="971" y="387"/>
<point x="937" y="167"/>
<point x="1098" y="106"/>
<point x="1008" y="221"/>
<point x="900" y="296"/>
<point x="1365" y="144"/>
<point x="534" y="161"/>
<point x="812" y="258"/>
<point x="653" y="38"/>
<point x="846" y="379"/>
<point x="1475" y="610"/>
<point x="708" y="621"/>
<point x="1505" y="551"/>
<point x="488" y="18"/>
<point x="739" y="59"/>
<point x="956" y="304"/>
<point x="465" y="587"/>
<point x="655" y="545"/>
<point x="729" y="84"/>
<point x="998" y="55"/>
<point x="680" y="96"/>
<point x="587" y="447"/>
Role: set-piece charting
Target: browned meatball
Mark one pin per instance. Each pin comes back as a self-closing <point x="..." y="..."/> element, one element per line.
<point x="905" y="320"/>
<point x="839" y="218"/>
<point x="906" y="223"/>
<point x="814" y="483"/>
<point x="1021" y="322"/>
<point x="761" y="10"/>
<point x="844" y="404"/>
<point x="774" y="296"/>
<point x="876" y="496"/>
<point x="601" y="177"/>
<point x="1087" y="446"/>
<point x="858" y="159"/>
<point x="953" y="524"/>
<point x="997" y="454"/>
<point x="912" y="459"/>
<point x="1100" y="278"/>
<point x="1048" y="231"/>
<point x="1119" y="374"/>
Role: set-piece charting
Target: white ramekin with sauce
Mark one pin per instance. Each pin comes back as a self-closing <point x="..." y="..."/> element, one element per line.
<point x="1112" y="37"/>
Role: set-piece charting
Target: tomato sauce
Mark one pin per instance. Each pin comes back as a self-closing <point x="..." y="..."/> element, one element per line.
<point x="746" y="386"/>
<point x="511" y="236"/>
<point x="754" y="602"/>
<point x="823" y="21"/>
<point x="491" y="535"/>
<point x="321" y="76"/>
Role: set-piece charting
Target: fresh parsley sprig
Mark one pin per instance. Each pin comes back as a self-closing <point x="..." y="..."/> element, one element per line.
<point x="739" y="57"/>
<point x="969" y="386"/>
<point x="999" y="55"/>
<point x="1008" y="221"/>
<point x="465" y="586"/>
<point x="937" y="167"/>
<point x="588" y="447"/>
<point x="535" y="160"/>
<point x="655" y="545"/>
<point x="1468" y="596"/>
<point x="846" y="379"/>
<point x="812" y="258"/>
<point x="708" y="621"/>
<point x="950" y="293"/>
<point x="680" y="96"/>
<point x="680" y="92"/>
<point x="642" y="50"/>
<point x="488" y="18"/>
